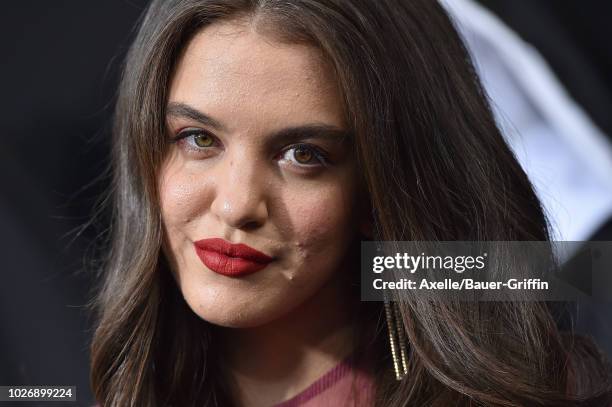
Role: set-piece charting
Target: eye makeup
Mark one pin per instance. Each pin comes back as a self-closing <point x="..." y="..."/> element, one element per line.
<point x="307" y="147"/>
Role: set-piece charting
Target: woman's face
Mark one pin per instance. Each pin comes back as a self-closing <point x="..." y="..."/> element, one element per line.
<point x="256" y="157"/>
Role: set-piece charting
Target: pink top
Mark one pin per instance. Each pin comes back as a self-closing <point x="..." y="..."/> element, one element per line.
<point x="343" y="386"/>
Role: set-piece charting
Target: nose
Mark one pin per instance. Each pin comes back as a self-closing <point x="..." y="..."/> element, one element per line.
<point x="241" y="197"/>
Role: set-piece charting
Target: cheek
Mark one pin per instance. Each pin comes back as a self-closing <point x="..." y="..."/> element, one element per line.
<point x="323" y="222"/>
<point x="182" y="195"/>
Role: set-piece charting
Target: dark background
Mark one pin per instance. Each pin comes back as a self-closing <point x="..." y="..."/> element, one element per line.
<point x="60" y="64"/>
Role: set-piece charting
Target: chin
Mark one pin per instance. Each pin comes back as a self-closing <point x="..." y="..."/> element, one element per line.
<point x="245" y="311"/>
<point x="256" y="300"/>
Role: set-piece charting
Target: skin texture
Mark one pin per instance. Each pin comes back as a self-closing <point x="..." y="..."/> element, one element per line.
<point x="287" y="324"/>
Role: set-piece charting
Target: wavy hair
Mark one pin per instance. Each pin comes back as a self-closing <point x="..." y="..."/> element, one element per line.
<point x="435" y="167"/>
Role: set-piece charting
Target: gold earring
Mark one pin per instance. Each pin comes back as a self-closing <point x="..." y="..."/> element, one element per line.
<point x="397" y="339"/>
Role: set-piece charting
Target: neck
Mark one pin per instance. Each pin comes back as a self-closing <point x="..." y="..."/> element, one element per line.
<point x="274" y="362"/>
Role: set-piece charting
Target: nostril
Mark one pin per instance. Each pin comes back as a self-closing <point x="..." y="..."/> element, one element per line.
<point x="251" y="225"/>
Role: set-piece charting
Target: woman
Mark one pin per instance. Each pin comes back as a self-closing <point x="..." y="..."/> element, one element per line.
<point x="256" y="144"/>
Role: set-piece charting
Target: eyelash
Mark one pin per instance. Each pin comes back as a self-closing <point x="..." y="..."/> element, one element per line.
<point x="320" y="155"/>
<point x="188" y="134"/>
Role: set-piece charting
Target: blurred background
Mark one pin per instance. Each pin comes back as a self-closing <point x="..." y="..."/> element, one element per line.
<point x="546" y="64"/>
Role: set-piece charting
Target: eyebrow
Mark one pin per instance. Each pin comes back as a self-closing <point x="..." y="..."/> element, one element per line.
<point x="175" y="109"/>
<point x="287" y="135"/>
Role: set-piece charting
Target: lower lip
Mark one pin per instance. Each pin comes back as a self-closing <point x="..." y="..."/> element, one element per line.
<point x="228" y="266"/>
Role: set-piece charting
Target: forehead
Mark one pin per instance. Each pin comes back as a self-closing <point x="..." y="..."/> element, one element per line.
<point x="229" y="69"/>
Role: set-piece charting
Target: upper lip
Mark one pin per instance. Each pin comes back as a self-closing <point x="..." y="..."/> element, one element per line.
<point x="233" y="250"/>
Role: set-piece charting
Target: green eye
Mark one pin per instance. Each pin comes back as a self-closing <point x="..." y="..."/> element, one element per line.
<point x="203" y="140"/>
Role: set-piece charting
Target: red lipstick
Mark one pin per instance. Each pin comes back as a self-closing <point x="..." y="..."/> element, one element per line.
<point x="229" y="259"/>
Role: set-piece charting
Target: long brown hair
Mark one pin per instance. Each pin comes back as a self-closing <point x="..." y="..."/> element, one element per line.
<point x="435" y="167"/>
